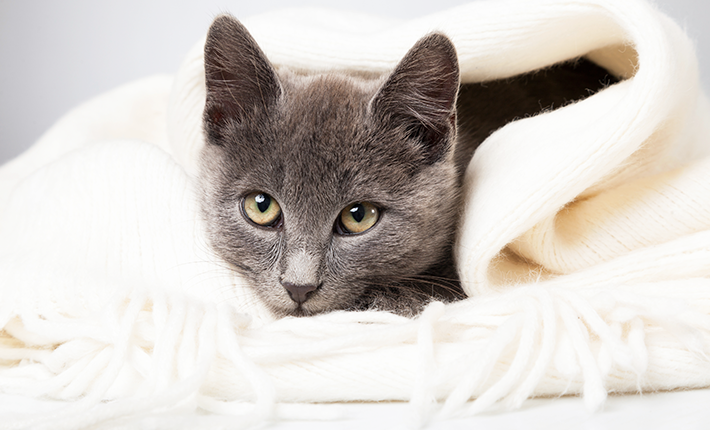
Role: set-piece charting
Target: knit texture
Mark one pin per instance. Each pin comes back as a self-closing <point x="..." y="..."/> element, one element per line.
<point x="584" y="247"/>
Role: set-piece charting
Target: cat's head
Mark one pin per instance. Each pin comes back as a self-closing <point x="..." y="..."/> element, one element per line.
<point x="318" y="187"/>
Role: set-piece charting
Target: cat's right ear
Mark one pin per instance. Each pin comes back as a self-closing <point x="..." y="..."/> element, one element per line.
<point x="241" y="82"/>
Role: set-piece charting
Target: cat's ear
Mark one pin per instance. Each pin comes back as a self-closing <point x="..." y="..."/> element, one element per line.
<point x="420" y="95"/>
<point x="241" y="82"/>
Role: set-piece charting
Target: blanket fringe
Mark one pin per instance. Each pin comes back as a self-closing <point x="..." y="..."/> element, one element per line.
<point x="167" y="346"/>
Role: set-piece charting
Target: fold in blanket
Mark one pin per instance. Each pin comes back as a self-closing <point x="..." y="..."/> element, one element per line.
<point x="585" y="245"/>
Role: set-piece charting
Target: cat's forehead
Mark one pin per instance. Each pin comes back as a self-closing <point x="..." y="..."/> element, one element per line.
<point x="326" y="100"/>
<point x="324" y="124"/>
<point x="321" y="145"/>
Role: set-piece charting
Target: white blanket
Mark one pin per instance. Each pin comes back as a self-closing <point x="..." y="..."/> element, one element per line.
<point x="585" y="245"/>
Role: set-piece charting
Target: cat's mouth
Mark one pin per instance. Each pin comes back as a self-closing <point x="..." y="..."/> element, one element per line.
<point x="298" y="310"/>
<point x="282" y="303"/>
<point x="314" y="303"/>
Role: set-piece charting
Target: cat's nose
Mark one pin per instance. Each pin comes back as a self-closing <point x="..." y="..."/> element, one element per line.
<point x="298" y="293"/>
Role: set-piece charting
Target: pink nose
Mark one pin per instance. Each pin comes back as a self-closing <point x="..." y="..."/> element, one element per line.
<point x="298" y="293"/>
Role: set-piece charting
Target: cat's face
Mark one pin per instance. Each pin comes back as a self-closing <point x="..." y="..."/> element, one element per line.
<point x="316" y="188"/>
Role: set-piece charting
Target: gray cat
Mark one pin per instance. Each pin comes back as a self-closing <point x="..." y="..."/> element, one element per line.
<point x="342" y="191"/>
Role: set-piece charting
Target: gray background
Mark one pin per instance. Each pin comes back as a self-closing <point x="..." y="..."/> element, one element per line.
<point x="55" y="54"/>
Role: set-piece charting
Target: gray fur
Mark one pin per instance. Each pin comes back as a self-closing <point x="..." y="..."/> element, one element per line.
<point x="317" y="143"/>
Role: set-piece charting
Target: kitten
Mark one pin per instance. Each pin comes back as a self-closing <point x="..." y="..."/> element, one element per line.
<point x="336" y="191"/>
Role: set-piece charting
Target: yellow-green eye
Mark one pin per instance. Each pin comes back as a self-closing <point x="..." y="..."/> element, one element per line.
<point x="261" y="209"/>
<point x="357" y="218"/>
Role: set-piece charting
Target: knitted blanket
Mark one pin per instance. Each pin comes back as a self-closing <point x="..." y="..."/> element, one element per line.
<point x="584" y="247"/>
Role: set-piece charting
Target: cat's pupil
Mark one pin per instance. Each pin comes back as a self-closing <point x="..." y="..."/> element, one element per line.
<point x="357" y="212"/>
<point x="357" y="218"/>
<point x="262" y="202"/>
<point x="261" y="209"/>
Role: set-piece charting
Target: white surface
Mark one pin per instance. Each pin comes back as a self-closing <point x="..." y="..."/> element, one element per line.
<point x="685" y="410"/>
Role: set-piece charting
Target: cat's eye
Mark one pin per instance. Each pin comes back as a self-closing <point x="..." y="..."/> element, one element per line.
<point x="261" y="209"/>
<point x="357" y="218"/>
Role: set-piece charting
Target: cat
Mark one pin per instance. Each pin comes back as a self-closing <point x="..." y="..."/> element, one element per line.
<point x="341" y="191"/>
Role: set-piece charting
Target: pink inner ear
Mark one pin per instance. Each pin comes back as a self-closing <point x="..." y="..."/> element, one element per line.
<point x="216" y="115"/>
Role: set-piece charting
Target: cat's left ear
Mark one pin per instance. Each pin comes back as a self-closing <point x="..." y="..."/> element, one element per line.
<point x="420" y="95"/>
